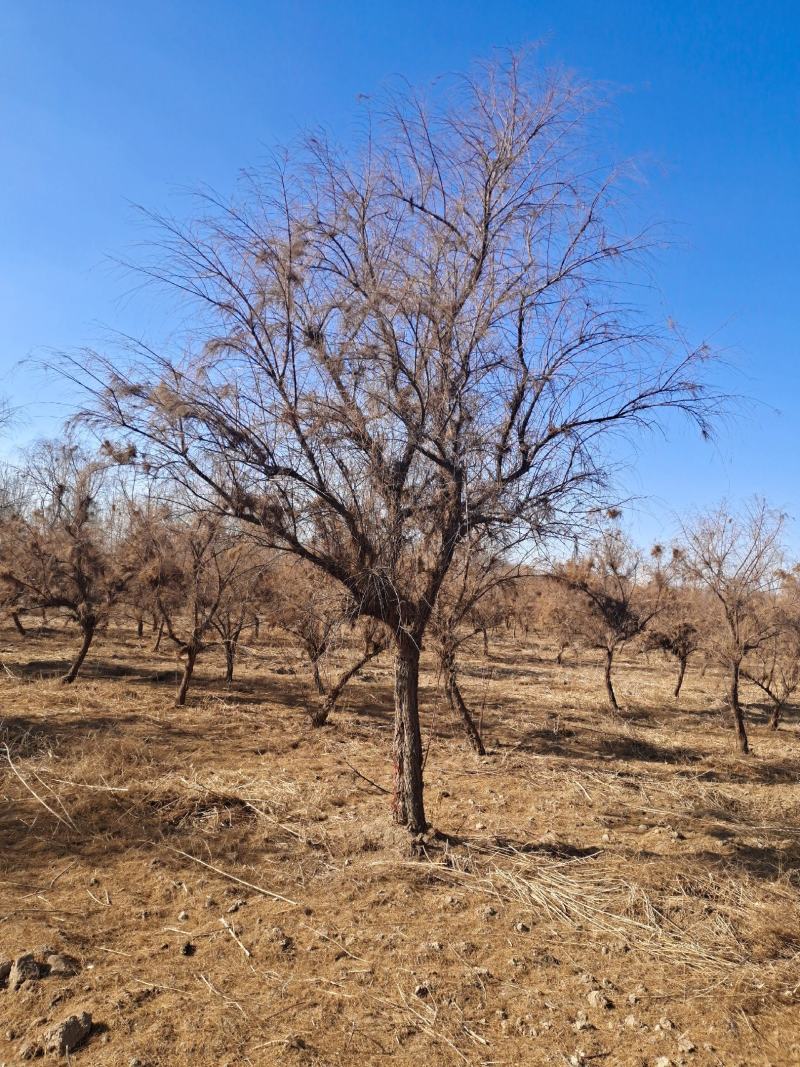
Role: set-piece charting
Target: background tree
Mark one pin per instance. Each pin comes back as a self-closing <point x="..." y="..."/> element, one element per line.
<point x="560" y="613"/>
<point x="237" y="608"/>
<point x="469" y="604"/>
<point x="678" y="629"/>
<point x="405" y="346"/>
<point x="312" y="609"/>
<point x="737" y="559"/>
<point x="195" y="571"/>
<point x="60" y="552"/>
<point x="318" y="612"/>
<point x="622" y="596"/>
<point x="373" y="641"/>
<point x="13" y="497"/>
<point x="774" y="666"/>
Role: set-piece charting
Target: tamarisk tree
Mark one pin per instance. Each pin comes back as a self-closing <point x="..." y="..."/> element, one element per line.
<point x="198" y="575"/>
<point x="58" y="552"/>
<point x="621" y="597"/>
<point x="736" y="559"/>
<point x="677" y="631"/>
<point x="468" y="605"/>
<point x="402" y="345"/>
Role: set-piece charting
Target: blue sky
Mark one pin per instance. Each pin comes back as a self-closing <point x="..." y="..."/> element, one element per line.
<point x="104" y="105"/>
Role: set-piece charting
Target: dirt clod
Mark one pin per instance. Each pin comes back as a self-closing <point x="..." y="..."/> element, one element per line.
<point x="599" y="1000"/>
<point x="24" y="969"/>
<point x="69" y="1034"/>
<point x="61" y="965"/>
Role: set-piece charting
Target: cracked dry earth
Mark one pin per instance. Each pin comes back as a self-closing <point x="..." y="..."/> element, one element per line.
<point x="227" y="884"/>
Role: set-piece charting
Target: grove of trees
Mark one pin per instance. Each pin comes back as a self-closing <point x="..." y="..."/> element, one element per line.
<point x="406" y="368"/>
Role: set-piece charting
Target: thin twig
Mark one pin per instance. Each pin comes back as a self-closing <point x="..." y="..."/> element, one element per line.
<point x="60" y="873"/>
<point x="233" y="878"/>
<point x="380" y="788"/>
<point x="65" y="822"/>
<point x="229" y="927"/>
<point x="230" y="1000"/>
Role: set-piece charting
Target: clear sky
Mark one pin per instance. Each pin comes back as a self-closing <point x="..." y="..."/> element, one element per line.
<point x="107" y="104"/>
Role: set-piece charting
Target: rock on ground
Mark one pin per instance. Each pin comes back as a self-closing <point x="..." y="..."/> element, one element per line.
<point x="24" y="969"/>
<point x="68" y="1035"/>
<point x="62" y="965"/>
<point x="598" y="1000"/>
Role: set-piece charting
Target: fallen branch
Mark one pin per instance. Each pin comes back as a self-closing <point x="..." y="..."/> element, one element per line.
<point x="230" y="1000"/>
<point x="229" y="927"/>
<point x="68" y="822"/>
<point x="233" y="877"/>
<point x="380" y="788"/>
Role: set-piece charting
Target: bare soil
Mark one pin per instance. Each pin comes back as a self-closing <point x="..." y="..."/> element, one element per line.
<point x="598" y="889"/>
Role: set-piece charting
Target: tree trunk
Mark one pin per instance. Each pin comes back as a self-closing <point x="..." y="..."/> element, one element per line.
<point x="485" y="644"/>
<point x="456" y="702"/>
<point x="681" y="673"/>
<point x="256" y="627"/>
<point x="188" y="671"/>
<point x="317" y="678"/>
<point x="140" y="627"/>
<point x="612" y="697"/>
<point x="230" y="659"/>
<point x="72" y="673"/>
<point x="775" y="718"/>
<point x="560" y="657"/>
<point x="736" y="708"/>
<point x="408" y="807"/>
<point x="160" y="634"/>
<point x="319" y="716"/>
<point x="18" y="623"/>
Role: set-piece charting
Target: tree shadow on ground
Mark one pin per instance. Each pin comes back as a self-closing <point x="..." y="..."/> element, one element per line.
<point x="766" y="862"/>
<point x="507" y="846"/>
<point x="590" y="745"/>
<point x="26" y="735"/>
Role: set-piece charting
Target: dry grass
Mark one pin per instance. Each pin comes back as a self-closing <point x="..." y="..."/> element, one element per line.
<point x="637" y="855"/>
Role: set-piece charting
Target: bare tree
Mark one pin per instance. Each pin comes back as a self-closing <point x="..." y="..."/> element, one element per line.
<point x="468" y="606"/>
<point x="13" y="497"/>
<point x="622" y="596"/>
<point x="737" y="559"/>
<point x="374" y="641"/>
<point x="311" y="608"/>
<point x="774" y="666"/>
<point x="60" y="552"/>
<point x="560" y="614"/>
<point x="194" y="569"/>
<point x="677" y="631"/>
<point x="316" y="610"/>
<point x="405" y="347"/>
<point x="229" y="622"/>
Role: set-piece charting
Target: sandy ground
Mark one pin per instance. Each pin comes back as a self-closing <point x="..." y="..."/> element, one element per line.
<point x="602" y="889"/>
